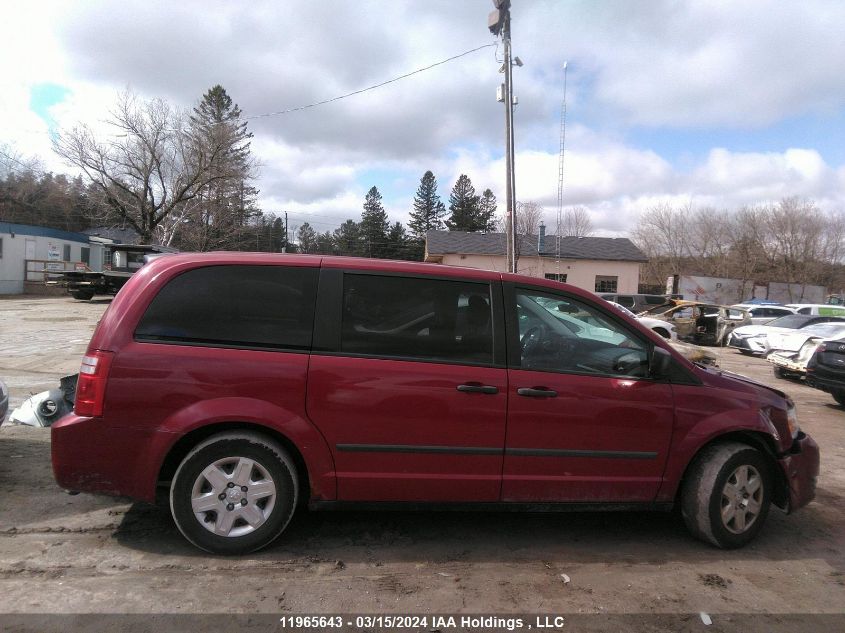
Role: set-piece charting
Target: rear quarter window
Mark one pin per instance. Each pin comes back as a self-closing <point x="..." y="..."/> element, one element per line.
<point x="234" y="306"/>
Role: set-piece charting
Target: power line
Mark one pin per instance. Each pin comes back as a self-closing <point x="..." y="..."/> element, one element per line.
<point x="373" y="87"/>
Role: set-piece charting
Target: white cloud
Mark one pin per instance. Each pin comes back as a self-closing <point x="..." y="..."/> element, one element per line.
<point x="659" y="64"/>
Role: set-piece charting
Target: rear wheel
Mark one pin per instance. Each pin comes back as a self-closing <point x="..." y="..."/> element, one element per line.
<point x="234" y="493"/>
<point x="726" y="494"/>
<point x="82" y="295"/>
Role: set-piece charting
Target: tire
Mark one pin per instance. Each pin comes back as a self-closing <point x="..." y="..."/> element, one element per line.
<point x="746" y="352"/>
<point x="661" y="332"/>
<point x="255" y="521"/>
<point x="709" y="495"/>
<point x="82" y="295"/>
<point x="839" y="396"/>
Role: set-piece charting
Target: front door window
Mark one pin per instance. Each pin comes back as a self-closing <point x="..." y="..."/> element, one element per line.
<point x="567" y="335"/>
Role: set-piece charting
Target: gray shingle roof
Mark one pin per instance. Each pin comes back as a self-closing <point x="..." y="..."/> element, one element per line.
<point x="463" y="243"/>
<point x="118" y="235"/>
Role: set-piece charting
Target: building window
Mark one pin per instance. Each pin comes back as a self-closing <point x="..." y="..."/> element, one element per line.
<point x="606" y="283"/>
<point x="85" y="255"/>
<point x="66" y="253"/>
<point x="556" y="277"/>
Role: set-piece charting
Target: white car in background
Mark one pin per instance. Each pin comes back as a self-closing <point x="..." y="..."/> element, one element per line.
<point x="660" y="327"/>
<point x="818" y="309"/>
<point x="761" y="314"/>
<point x="754" y="339"/>
<point x="791" y="351"/>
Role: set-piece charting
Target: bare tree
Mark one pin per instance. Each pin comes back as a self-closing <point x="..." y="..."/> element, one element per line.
<point x="709" y="240"/>
<point x="576" y="222"/>
<point x="150" y="169"/>
<point x="662" y="233"/>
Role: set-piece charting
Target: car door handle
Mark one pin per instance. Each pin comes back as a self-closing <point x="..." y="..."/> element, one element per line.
<point x="475" y="387"/>
<point x="536" y="392"/>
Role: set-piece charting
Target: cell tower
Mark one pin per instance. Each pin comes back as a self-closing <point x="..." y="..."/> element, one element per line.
<point x="560" y="170"/>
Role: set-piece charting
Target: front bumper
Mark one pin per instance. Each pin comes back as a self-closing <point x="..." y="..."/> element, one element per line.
<point x="755" y="345"/>
<point x="788" y="364"/>
<point x="92" y="455"/>
<point x="800" y="467"/>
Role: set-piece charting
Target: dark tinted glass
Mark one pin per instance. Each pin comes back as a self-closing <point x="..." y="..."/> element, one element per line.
<point x="235" y="306"/>
<point x="417" y="318"/>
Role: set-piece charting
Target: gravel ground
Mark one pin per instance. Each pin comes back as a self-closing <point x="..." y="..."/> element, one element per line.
<point x="86" y="554"/>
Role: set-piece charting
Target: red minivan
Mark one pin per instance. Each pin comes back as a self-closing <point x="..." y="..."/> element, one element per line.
<point x="244" y="385"/>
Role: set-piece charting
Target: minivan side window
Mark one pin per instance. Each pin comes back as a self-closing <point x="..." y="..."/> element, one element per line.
<point x="234" y="306"/>
<point x="566" y="335"/>
<point x="417" y="318"/>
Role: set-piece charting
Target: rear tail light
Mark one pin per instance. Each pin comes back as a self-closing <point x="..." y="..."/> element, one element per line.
<point x="91" y="387"/>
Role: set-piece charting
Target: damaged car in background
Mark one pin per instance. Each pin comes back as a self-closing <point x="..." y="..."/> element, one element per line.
<point x="694" y="353"/>
<point x="754" y="339"/>
<point x="698" y="322"/>
<point x="790" y="352"/>
<point x="46" y="407"/>
<point x="826" y="369"/>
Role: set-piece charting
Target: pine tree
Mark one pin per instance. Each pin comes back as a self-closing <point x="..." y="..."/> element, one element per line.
<point x="223" y="208"/>
<point x="463" y="205"/>
<point x="326" y="244"/>
<point x="428" y="209"/>
<point x="347" y="239"/>
<point x="397" y="242"/>
<point x="374" y="224"/>
<point x="307" y="238"/>
<point x="487" y="210"/>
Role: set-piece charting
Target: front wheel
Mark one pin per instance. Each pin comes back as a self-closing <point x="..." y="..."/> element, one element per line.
<point x="234" y="493"/>
<point x="839" y="396"/>
<point x="726" y="495"/>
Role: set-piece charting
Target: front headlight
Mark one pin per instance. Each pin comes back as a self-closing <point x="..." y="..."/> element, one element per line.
<point x="792" y="421"/>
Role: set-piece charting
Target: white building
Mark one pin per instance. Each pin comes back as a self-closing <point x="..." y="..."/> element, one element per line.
<point x="27" y="252"/>
<point x="597" y="264"/>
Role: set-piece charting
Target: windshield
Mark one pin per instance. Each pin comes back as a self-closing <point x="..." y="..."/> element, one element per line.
<point x="792" y="321"/>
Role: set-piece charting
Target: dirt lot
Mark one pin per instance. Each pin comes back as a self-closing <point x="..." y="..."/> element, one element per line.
<point x="85" y="554"/>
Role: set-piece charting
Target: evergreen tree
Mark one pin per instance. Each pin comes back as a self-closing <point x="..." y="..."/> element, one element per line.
<point x="225" y="206"/>
<point x="463" y="206"/>
<point x="487" y="210"/>
<point x="428" y="209"/>
<point x="347" y="239"/>
<point x="326" y="244"/>
<point x="397" y="242"/>
<point x="307" y="238"/>
<point x="374" y="225"/>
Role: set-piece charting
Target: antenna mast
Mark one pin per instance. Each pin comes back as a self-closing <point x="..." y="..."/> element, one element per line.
<point x="560" y="169"/>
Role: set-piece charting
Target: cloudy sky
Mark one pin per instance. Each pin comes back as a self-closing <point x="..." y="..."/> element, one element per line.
<point x="712" y="103"/>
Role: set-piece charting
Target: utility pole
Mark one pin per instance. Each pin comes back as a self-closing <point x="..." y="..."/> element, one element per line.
<point x="499" y="22"/>
<point x="287" y="237"/>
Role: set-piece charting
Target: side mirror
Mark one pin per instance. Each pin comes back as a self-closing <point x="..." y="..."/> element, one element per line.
<point x="660" y="363"/>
